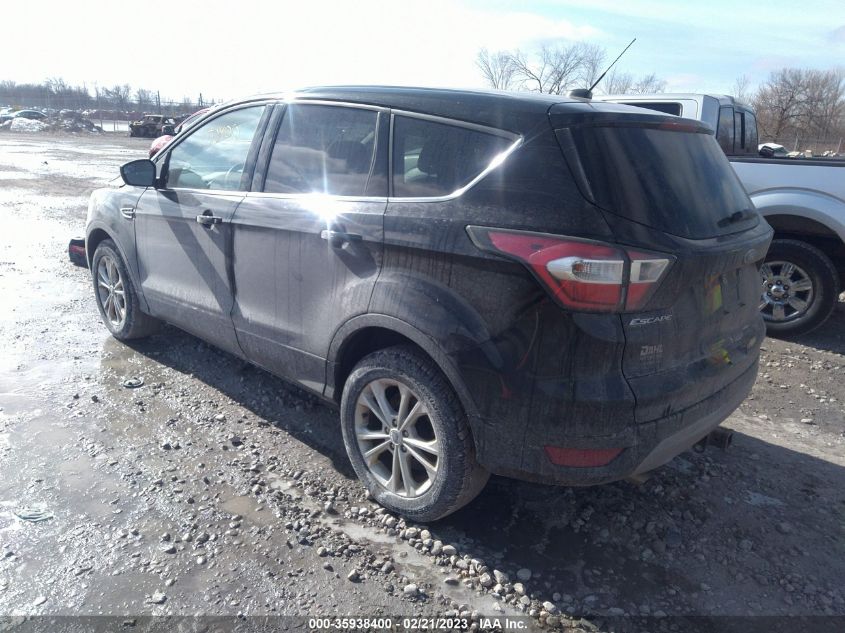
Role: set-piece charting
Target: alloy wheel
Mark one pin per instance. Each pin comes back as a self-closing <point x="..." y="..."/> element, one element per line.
<point x="110" y="291"/>
<point x="787" y="291"/>
<point x="396" y="437"/>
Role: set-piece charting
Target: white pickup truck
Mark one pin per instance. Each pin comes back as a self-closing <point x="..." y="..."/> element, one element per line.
<point x="803" y="200"/>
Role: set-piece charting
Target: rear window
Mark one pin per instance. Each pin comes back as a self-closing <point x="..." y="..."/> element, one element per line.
<point x="678" y="182"/>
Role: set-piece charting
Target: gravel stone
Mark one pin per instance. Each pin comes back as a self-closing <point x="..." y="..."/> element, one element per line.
<point x="411" y="590"/>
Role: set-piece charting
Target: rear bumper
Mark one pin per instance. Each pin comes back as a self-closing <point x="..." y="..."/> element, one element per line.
<point x="646" y="446"/>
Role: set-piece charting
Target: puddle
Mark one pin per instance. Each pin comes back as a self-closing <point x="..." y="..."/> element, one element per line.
<point x="250" y="508"/>
<point x="759" y="499"/>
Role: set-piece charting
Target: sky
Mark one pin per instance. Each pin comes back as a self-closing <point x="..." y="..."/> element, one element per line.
<point x="239" y="47"/>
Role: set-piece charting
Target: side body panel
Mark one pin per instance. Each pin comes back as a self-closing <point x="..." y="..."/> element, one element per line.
<point x="293" y="290"/>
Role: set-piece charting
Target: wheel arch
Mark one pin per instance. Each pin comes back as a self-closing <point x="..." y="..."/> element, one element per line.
<point x="793" y="225"/>
<point x="92" y="241"/>
<point x="368" y="333"/>
<point x="96" y="234"/>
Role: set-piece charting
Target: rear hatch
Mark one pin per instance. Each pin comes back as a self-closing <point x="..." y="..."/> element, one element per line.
<point x="664" y="186"/>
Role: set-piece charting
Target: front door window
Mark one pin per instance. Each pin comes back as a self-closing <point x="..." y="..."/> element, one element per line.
<point x="214" y="155"/>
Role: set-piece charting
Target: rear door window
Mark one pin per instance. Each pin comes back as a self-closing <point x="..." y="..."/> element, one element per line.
<point x="323" y="149"/>
<point x="432" y="159"/>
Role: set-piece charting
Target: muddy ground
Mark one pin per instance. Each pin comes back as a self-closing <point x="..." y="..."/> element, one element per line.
<point x="217" y="489"/>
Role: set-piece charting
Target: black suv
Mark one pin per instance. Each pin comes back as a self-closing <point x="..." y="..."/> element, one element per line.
<point x="545" y="288"/>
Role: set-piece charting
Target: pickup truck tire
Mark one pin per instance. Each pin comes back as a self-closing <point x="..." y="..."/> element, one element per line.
<point x="800" y="288"/>
<point x="398" y="408"/>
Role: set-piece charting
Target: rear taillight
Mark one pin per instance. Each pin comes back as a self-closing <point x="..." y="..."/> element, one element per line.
<point x="580" y="274"/>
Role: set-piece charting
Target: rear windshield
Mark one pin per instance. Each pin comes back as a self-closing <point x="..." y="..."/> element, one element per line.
<point x="678" y="182"/>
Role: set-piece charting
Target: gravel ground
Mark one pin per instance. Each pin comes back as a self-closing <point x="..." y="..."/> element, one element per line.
<point x="216" y="489"/>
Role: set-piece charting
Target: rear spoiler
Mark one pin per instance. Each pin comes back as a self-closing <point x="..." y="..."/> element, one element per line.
<point x="604" y="114"/>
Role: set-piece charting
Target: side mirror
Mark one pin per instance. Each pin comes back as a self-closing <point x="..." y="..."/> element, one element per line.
<point x="139" y="173"/>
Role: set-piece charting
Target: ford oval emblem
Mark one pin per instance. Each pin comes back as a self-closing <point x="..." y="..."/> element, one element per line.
<point x="750" y="256"/>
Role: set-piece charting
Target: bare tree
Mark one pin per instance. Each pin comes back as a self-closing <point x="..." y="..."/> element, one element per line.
<point x="648" y="84"/>
<point x="616" y="83"/>
<point x="802" y="105"/>
<point x="552" y="70"/>
<point x="497" y="68"/>
<point x="57" y="85"/>
<point x="592" y="63"/>
<point x="740" y="88"/>
<point x="118" y="95"/>
<point x="143" y="97"/>
<point x="779" y="102"/>
<point x="556" y="69"/>
<point x="823" y="101"/>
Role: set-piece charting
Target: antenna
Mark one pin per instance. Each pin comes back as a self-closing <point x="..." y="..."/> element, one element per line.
<point x="587" y="93"/>
<point x="596" y="83"/>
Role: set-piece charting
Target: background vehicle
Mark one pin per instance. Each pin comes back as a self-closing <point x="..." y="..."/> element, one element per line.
<point x="803" y="200"/>
<point x="772" y="150"/>
<point x="481" y="282"/>
<point x="151" y="126"/>
<point x="34" y="115"/>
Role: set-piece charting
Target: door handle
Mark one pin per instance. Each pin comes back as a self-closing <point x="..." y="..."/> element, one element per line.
<point x="128" y="212"/>
<point x="207" y="219"/>
<point x="337" y="239"/>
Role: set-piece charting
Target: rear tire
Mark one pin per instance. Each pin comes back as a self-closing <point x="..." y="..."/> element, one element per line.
<point x="800" y="288"/>
<point x="116" y="296"/>
<point x="435" y="429"/>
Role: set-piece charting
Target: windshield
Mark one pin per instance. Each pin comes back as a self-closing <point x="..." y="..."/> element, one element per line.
<point x="678" y="182"/>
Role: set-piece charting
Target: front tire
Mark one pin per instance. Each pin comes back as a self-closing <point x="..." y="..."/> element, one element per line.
<point x="116" y="297"/>
<point x="800" y="288"/>
<point x="407" y="435"/>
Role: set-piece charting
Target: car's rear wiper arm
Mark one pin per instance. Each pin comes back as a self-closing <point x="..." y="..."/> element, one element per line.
<point x="736" y="216"/>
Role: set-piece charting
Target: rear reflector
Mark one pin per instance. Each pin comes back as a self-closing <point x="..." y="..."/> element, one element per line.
<point x="581" y="458"/>
<point x="580" y="274"/>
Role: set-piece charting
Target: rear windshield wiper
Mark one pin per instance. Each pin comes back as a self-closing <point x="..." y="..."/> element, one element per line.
<point x="736" y="216"/>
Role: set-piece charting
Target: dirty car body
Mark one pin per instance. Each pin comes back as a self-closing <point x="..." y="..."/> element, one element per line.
<point x="583" y="277"/>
